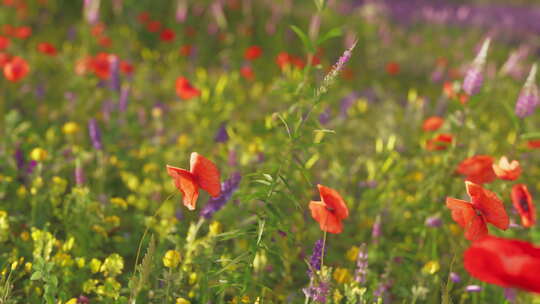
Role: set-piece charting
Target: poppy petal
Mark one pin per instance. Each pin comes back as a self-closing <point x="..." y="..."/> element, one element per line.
<point x="206" y="173"/>
<point x="326" y="219"/>
<point x="333" y="200"/>
<point x="186" y="182"/>
<point x="464" y="214"/>
<point x="489" y="204"/>
<point x="522" y="201"/>
<point x="504" y="262"/>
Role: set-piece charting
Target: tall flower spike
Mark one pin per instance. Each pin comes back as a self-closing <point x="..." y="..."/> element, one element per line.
<point x="228" y="187"/>
<point x="330" y="77"/>
<point x="528" y="98"/>
<point x="474" y="79"/>
<point x="95" y="134"/>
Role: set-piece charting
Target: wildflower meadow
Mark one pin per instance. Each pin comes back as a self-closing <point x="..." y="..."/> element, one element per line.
<point x="269" y="151"/>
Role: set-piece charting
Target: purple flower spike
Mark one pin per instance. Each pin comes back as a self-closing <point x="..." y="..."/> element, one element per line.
<point x="315" y="259"/>
<point x="228" y="187"/>
<point x="528" y="98"/>
<point x="361" y="265"/>
<point x="221" y="134"/>
<point x="474" y="78"/>
<point x="95" y="134"/>
<point x="79" y="174"/>
<point x="124" y="99"/>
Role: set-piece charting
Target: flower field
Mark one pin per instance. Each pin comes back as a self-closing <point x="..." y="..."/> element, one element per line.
<point x="269" y="151"/>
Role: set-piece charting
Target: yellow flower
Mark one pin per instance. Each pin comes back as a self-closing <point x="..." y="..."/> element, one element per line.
<point x="182" y="140"/>
<point x="113" y="265"/>
<point x="28" y="266"/>
<point x="454" y="229"/>
<point x="337" y="296"/>
<point x="342" y="275"/>
<point x="21" y="191"/>
<point x="352" y="253"/>
<point x="192" y="278"/>
<point x="70" y="128"/>
<point x="215" y="228"/>
<point x="120" y="202"/>
<point x="95" y="264"/>
<point x="38" y="154"/>
<point x="72" y="301"/>
<point x="171" y="258"/>
<point x="182" y="301"/>
<point x="113" y="220"/>
<point x="431" y="267"/>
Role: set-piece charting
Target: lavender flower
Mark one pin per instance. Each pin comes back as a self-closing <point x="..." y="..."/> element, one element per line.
<point x="95" y="134"/>
<point x="324" y="117"/>
<point x="473" y="288"/>
<point x="115" y="73"/>
<point x="434" y="221"/>
<point x="228" y="187"/>
<point x="528" y="97"/>
<point x="124" y="98"/>
<point x="222" y="135"/>
<point x="474" y="78"/>
<point x="315" y="259"/>
<point x="91" y="11"/>
<point x="361" y="265"/>
<point x="19" y="158"/>
<point x="317" y="291"/>
<point x="346" y="104"/>
<point x="454" y="277"/>
<point x="181" y="11"/>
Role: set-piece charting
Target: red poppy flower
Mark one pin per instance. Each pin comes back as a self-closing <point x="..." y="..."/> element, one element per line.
<point x="143" y="17"/>
<point x="522" y="200"/>
<point x="283" y="59"/>
<point x="126" y="67"/>
<point x="186" y="50"/>
<point x="247" y="72"/>
<point x="477" y="169"/>
<point x="507" y="170"/>
<point x="105" y="42"/>
<point x="202" y="174"/>
<point x="16" y="69"/>
<point x="22" y="32"/>
<point x="101" y="65"/>
<point x="298" y="62"/>
<point x="448" y="89"/>
<point x="330" y="211"/>
<point x="185" y="90"/>
<point x="47" y="49"/>
<point x="485" y="207"/>
<point x="533" y="144"/>
<point x="98" y="29"/>
<point x="153" y="26"/>
<point x="392" y="68"/>
<point x="253" y="52"/>
<point x="4" y="59"/>
<point x="439" y="142"/>
<point x="4" y="43"/>
<point x="167" y="35"/>
<point x="432" y="123"/>
<point x="504" y="262"/>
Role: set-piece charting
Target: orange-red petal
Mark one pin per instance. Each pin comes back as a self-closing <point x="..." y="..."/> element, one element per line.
<point x="489" y="205"/>
<point x="464" y="214"/>
<point x="328" y="221"/>
<point x="206" y="174"/>
<point x="522" y="200"/>
<point x="334" y="202"/>
<point x="186" y="182"/>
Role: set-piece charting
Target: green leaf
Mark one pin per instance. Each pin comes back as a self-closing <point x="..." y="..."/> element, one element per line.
<point x="530" y="135"/>
<point x="335" y="32"/>
<point x="305" y="39"/>
<point x="36" y="276"/>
